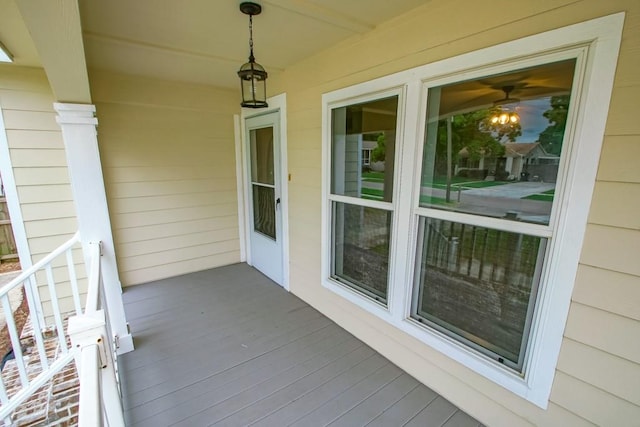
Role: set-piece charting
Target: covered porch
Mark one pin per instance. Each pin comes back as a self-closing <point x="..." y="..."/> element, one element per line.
<point x="227" y="346"/>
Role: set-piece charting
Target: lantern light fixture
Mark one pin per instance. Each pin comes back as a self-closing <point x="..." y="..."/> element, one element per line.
<point x="252" y="75"/>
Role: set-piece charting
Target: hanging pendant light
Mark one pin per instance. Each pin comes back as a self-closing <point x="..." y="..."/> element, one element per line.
<point x="252" y="75"/>
<point x="505" y="116"/>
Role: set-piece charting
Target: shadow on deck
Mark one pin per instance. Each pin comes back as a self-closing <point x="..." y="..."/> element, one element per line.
<point x="229" y="347"/>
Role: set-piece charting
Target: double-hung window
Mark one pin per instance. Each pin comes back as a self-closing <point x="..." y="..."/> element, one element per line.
<point x="484" y="234"/>
<point x="361" y="200"/>
<point x="467" y="232"/>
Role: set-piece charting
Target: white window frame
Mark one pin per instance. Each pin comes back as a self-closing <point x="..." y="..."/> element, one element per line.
<point x="345" y="291"/>
<point x="599" y="41"/>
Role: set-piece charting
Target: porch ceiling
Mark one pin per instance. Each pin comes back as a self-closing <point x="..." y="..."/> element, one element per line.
<point x="204" y="41"/>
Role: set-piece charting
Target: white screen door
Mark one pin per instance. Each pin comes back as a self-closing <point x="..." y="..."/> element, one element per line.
<point x="265" y="207"/>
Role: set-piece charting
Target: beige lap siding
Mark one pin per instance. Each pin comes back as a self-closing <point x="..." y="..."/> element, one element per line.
<point x="168" y="159"/>
<point x="599" y="367"/>
<point x="40" y="170"/>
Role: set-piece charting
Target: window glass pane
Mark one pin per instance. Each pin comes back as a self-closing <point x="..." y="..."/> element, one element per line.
<point x="360" y="248"/>
<point x="493" y="145"/>
<point x="262" y="155"/>
<point x="363" y="149"/>
<point x="478" y="285"/>
<point x="264" y="210"/>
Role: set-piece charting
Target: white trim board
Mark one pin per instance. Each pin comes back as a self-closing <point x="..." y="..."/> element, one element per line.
<point x="13" y="202"/>
<point x="238" y="138"/>
<point x="15" y="212"/>
<point x="276" y="103"/>
<point x="597" y="43"/>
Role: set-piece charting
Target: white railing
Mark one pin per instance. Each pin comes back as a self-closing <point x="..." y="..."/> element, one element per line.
<point x="96" y="360"/>
<point x="91" y="348"/>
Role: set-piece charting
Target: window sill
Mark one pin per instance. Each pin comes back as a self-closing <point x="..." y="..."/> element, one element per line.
<point x="359" y="299"/>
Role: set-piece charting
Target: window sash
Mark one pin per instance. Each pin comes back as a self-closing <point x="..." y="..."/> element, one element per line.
<point x="367" y="265"/>
<point x="369" y="293"/>
<point x="465" y="270"/>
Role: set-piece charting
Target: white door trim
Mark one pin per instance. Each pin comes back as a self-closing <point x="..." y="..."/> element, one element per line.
<point x="240" y="186"/>
<point x="276" y="103"/>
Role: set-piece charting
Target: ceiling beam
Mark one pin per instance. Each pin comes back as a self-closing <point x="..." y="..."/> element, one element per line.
<point x="54" y="26"/>
<point x="326" y="15"/>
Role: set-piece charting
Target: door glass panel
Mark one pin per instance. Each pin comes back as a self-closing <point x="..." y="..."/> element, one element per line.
<point x="264" y="214"/>
<point x="262" y="155"/>
<point x="363" y="144"/>
<point x="262" y="177"/>
<point x="493" y="145"/>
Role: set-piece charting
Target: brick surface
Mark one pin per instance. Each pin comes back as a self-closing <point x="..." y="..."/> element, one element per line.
<point x="56" y="403"/>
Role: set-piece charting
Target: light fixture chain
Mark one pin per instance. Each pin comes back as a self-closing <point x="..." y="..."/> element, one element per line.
<point x="251" y="58"/>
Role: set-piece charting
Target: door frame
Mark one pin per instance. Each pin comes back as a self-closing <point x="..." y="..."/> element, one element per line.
<point x="276" y="103"/>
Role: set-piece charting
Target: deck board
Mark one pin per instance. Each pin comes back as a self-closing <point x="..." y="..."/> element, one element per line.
<point x="228" y="347"/>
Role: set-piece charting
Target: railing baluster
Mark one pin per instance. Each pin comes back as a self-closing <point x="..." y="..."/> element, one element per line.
<point x="496" y="254"/>
<point x="32" y="302"/>
<point x="15" y="339"/>
<point x="461" y="244"/>
<point x="74" y="281"/>
<point x="484" y="252"/>
<point x="474" y="232"/>
<point x="4" y="398"/>
<point x="56" y="308"/>
<point x="31" y="287"/>
<point x="450" y="243"/>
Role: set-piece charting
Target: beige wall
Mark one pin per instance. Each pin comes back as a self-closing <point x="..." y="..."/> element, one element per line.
<point x="599" y="368"/>
<point x="39" y="166"/>
<point x="168" y="159"/>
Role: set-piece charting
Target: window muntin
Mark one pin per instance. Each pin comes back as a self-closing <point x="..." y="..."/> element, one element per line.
<point x="507" y="170"/>
<point x="361" y="198"/>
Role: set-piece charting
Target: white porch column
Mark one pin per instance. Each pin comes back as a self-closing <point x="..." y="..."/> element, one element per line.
<point x="78" y="126"/>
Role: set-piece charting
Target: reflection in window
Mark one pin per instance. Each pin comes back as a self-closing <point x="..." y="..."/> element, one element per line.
<point x="363" y="149"/>
<point x="262" y="155"/>
<point x="360" y="248"/>
<point x="493" y="148"/>
<point x="262" y="181"/>
<point x="478" y="284"/>
<point x="493" y="145"/>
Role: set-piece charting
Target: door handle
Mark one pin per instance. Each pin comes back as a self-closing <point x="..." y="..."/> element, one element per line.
<point x="277" y="202"/>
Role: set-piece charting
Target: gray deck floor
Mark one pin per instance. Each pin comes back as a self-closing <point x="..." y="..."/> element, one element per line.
<point x="229" y="347"/>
